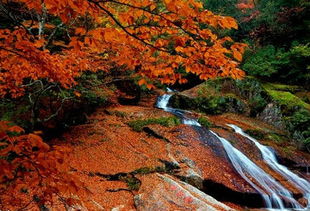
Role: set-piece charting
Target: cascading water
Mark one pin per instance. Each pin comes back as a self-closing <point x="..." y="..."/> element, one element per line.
<point x="273" y="193"/>
<point x="271" y="160"/>
<point x="163" y="104"/>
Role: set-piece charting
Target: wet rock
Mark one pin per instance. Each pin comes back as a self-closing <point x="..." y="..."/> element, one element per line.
<point x="196" y="100"/>
<point x="225" y="194"/>
<point x="272" y="115"/>
<point x="193" y="178"/>
<point x="191" y="173"/>
<point x="167" y="193"/>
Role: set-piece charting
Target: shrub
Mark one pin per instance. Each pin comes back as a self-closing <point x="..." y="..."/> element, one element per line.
<point x="265" y="62"/>
<point x="32" y="173"/>
<point x="252" y="91"/>
<point x="299" y="125"/>
<point x="204" y="122"/>
<point x="47" y="105"/>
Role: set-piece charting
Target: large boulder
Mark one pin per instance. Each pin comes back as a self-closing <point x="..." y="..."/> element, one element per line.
<point x="163" y="192"/>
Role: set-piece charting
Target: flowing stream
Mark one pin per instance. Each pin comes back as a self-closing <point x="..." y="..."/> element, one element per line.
<point x="271" y="160"/>
<point x="272" y="192"/>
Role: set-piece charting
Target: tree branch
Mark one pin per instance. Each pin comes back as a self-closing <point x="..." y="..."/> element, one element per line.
<point x="159" y="15"/>
<point x="50" y="37"/>
<point x="124" y="28"/>
<point x="14" y="52"/>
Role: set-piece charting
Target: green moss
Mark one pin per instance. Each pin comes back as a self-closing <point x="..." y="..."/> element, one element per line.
<point x="260" y="135"/>
<point x="209" y="105"/>
<point x="204" y="122"/>
<point x="132" y="182"/>
<point x="219" y="104"/>
<point x="281" y="87"/>
<point x="120" y="114"/>
<point x="144" y="170"/>
<point x="298" y="124"/>
<point x="210" y="87"/>
<point x="275" y="137"/>
<point x="137" y="125"/>
<point x="117" y="113"/>
<point x="14" y="111"/>
<point x="287" y="99"/>
<point x="283" y="95"/>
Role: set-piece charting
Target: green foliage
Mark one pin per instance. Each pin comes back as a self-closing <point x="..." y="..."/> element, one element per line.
<point x="298" y="69"/>
<point x="204" y="122"/>
<point x="299" y="125"/>
<point x="277" y="32"/>
<point x="210" y="87"/>
<point x="132" y="183"/>
<point x="46" y="104"/>
<point x="223" y="7"/>
<point x="13" y="110"/>
<point x="281" y="87"/>
<point x="287" y="101"/>
<point x="290" y="66"/>
<point x="137" y="125"/>
<point x="266" y="61"/>
<point x="252" y="91"/>
<point x="211" y="105"/>
<point x="89" y="87"/>
<point x="276" y="138"/>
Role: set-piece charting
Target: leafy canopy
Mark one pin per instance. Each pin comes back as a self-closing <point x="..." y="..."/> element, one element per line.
<point x="56" y="40"/>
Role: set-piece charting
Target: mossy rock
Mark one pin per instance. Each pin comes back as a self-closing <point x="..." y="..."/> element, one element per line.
<point x="138" y="125"/>
<point x="208" y="105"/>
<point x="204" y="122"/>
<point x="281" y="87"/>
<point x="287" y="101"/>
<point x="182" y="102"/>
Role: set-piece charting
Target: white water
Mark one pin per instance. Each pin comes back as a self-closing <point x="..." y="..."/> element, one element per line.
<point x="163" y="101"/>
<point x="273" y="193"/>
<point x="270" y="159"/>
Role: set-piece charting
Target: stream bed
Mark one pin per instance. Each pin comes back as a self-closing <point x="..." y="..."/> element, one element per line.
<point x="274" y="194"/>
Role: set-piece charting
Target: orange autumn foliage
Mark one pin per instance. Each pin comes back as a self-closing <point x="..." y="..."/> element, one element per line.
<point x="31" y="172"/>
<point x="158" y="40"/>
<point x="153" y="38"/>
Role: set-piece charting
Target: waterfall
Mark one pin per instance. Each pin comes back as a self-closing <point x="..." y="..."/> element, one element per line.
<point x="163" y="101"/>
<point x="272" y="192"/>
<point x="271" y="160"/>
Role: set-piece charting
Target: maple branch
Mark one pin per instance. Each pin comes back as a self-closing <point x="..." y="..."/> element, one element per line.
<point x="124" y="28"/>
<point x="41" y="19"/>
<point x="25" y="206"/>
<point x="49" y="39"/>
<point x="159" y="15"/>
<point x="11" y="51"/>
<point x="14" y="19"/>
<point x="57" y="111"/>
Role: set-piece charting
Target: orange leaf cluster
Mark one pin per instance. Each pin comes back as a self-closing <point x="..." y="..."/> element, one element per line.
<point x="153" y="38"/>
<point x="31" y="170"/>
